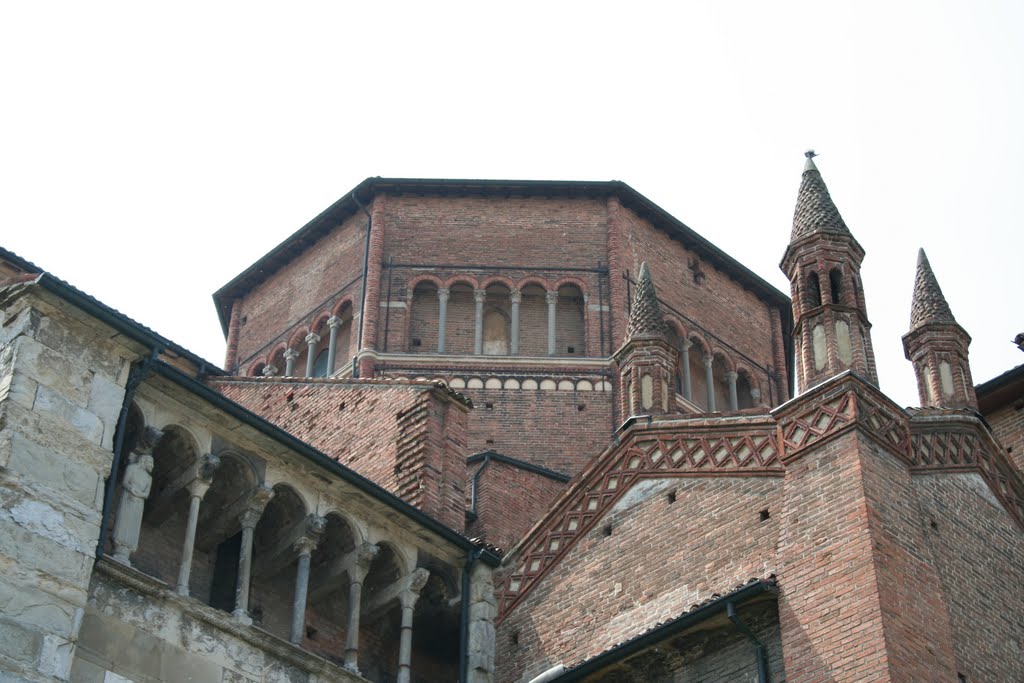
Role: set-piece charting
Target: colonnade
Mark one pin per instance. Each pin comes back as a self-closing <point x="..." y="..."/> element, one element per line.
<point x="708" y="361"/>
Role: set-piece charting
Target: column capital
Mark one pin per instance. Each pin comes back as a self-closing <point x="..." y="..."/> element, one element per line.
<point x="551" y="297"/>
<point x="443" y="293"/>
<point x="148" y="440"/>
<point x="687" y="345"/>
<point x="270" y="370"/>
<point x="334" y="322"/>
<point x="207" y="466"/>
<point x="312" y="338"/>
<point x="306" y="545"/>
<point x="417" y="580"/>
<point x="731" y="376"/>
<point x="516" y="296"/>
<point x="197" y="488"/>
<point x="479" y="295"/>
<point x="258" y="499"/>
<point x="708" y="361"/>
<point x="290" y="354"/>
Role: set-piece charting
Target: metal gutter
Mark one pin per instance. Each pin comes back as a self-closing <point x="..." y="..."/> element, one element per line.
<point x="486" y="457"/>
<point x="320" y="459"/>
<point x="666" y="630"/>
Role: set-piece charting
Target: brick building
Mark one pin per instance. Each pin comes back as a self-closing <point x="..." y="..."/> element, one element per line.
<point x="560" y="371"/>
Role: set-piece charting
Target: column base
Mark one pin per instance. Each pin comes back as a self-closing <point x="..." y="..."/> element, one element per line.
<point x="242" y="617"/>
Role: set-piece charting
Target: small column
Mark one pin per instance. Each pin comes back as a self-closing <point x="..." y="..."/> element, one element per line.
<point x="197" y="488"/>
<point x="479" y="296"/>
<point x="517" y="297"/>
<point x="442" y="316"/>
<point x="270" y="370"/>
<point x="552" y="299"/>
<point x="408" y="598"/>
<point x="248" y="520"/>
<point x="312" y="339"/>
<point x="304" y="546"/>
<point x="687" y="384"/>
<point x="360" y="568"/>
<point x="709" y="378"/>
<point x="289" y="362"/>
<point x="334" y="322"/>
<point x="734" y="403"/>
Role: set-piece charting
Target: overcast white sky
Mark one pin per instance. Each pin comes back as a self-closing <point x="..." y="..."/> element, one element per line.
<point x="149" y="152"/>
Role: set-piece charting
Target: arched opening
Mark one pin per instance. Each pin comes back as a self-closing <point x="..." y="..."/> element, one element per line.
<point x="676" y="343"/>
<point x="343" y="349"/>
<point x="380" y="626"/>
<point x="533" y="322"/>
<point x="274" y="561"/>
<point x="218" y="537"/>
<point x="721" y="383"/>
<point x="279" y="362"/>
<point x="570" y="330"/>
<point x="744" y="391"/>
<point x="698" y="377"/>
<point x="435" y="635"/>
<point x="329" y="582"/>
<point x="256" y="369"/>
<point x="835" y="282"/>
<point x="460" y="332"/>
<point x="496" y="333"/>
<point x="423" y="318"/>
<point x="813" y="291"/>
<point x="319" y="351"/>
<point x="166" y="509"/>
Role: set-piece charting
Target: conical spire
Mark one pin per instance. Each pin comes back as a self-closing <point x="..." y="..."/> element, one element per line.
<point x="929" y="306"/>
<point x="815" y="210"/>
<point x="645" y="320"/>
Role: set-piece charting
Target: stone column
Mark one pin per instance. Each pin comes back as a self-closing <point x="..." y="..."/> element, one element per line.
<point x="197" y="488"/>
<point x="552" y="299"/>
<point x="408" y="599"/>
<point x="289" y="362"/>
<point x="361" y="566"/>
<point x="483" y="608"/>
<point x="685" y="361"/>
<point x="248" y="520"/>
<point x="479" y="296"/>
<point x="334" y="322"/>
<point x="734" y="403"/>
<point x="442" y="316"/>
<point x="312" y="339"/>
<point x="304" y="546"/>
<point x="709" y="377"/>
<point x="517" y="297"/>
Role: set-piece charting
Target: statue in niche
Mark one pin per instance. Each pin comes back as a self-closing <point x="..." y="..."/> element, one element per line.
<point x="138" y="479"/>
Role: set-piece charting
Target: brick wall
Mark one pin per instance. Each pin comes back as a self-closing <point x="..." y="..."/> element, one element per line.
<point x="979" y="550"/>
<point x="546" y="428"/>
<point x="408" y="438"/>
<point x="709" y="540"/>
<point x="1008" y="424"/>
<point x="509" y="500"/>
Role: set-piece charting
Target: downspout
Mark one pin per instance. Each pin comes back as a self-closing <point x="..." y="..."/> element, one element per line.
<point x="362" y="298"/>
<point x="474" y="485"/>
<point x="471" y="559"/>
<point x="762" y="660"/>
<point x="135" y="377"/>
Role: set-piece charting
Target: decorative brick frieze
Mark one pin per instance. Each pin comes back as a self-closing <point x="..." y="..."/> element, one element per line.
<point x="679" y="448"/>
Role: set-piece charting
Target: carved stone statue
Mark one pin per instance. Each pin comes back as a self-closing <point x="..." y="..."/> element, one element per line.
<point x="138" y="479"/>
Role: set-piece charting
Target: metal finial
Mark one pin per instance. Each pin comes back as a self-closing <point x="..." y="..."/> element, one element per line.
<point x="810" y="154"/>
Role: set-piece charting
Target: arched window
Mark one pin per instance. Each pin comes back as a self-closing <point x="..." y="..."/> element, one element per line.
<point x="496" y="333"/>
<point x="835" y="281"/>
<point x="570" y="334"/>
<point x="813" y="290"/>
<point x="423" y="319"/>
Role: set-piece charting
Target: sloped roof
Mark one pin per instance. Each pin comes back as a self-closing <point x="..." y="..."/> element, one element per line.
<point x="815" y="211"/>
<point x="363" y="193"/>
<point x="929" y="306"/>
<point x="645" y="318"/>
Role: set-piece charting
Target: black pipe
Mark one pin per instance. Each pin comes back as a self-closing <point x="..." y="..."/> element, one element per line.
<point x="387" y="311"/>
<point x="762" y="660"/>
<point x="135" y="377"/>
<point x="600" y="308"/>
<point x="362" y="298"/>
<point x="471" y="559"/>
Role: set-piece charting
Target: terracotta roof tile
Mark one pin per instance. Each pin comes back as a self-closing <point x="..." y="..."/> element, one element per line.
<point x="929" y="305"/>
<point x="815" y="210"/>
<point x="645" y="319"/>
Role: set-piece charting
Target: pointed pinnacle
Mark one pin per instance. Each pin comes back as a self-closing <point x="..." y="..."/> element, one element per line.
<point x="645" y="319"/>
<point x="815" y="210"/>
<point x="929" y="305"/>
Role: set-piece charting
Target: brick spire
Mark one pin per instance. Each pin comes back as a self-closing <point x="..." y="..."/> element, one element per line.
<point x="929" y="305"/>
<point x="815" y="210"/>
<point x="645" y="319"/>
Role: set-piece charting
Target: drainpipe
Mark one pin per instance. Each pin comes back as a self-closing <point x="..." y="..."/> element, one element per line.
<point x="135" y="377"/>
<point x="471" y="559"/>
<point x="762" y="660"/>
<point x="475" y="484"/>
<point x="362" y="298"/>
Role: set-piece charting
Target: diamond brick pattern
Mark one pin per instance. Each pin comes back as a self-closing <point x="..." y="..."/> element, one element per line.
<point x="752" y="451"/>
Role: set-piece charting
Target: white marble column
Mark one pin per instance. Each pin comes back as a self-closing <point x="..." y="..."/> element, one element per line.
<point x="248" y="520"/>
<point x="479" y="296"/>
<point x="685" y="362"/>
<point x="734" y="403"/>
<point x="289" y="362"/>
<point x="360" y="568"/>
<point x="408" y="599"/>
<point x="312" y="339"/>
<point x="197" y="488"/>
<point x="517" y="297"/>
<point x="334" y="322"/>
<point x="709" y="378"/>
<point x="442" y="316"/>
<point x="552" y="299"/>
